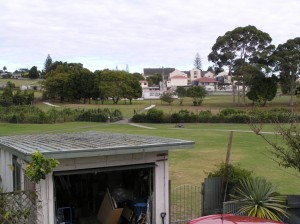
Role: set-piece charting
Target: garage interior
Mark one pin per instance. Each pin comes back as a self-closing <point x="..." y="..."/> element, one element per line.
<point x="105" y="195"/>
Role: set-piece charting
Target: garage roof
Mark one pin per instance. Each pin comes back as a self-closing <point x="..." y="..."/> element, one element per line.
<point x="87" y="144"/>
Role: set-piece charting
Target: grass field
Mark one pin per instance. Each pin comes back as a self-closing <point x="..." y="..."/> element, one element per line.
<point x="190" y="166"/>
<point x="214" y="103"/>
<point x="20" y="82"/>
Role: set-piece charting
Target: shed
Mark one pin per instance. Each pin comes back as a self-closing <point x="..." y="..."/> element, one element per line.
<point x="128" y="170"/>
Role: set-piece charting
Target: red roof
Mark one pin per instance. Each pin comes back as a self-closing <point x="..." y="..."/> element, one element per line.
<point x="178" y="77"/>
<point x="206" y="79"/>
<point x="230" y="219"/>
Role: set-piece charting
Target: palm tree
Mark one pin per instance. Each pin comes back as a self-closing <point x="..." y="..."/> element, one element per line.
<point x="258" y="198"/>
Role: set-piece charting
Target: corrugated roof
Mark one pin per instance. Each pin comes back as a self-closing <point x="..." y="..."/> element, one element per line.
<point x="87" y="144"/>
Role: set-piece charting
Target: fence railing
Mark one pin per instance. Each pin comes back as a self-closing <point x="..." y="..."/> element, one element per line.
<point x="185" y="203"/>
<point x="18" y="207"/>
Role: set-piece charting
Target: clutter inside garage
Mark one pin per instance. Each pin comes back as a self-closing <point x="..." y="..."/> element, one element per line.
<point x="121" y="195"/>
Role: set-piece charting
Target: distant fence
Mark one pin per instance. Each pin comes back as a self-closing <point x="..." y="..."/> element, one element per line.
<point x="18" y="207"/>
<point x="185" y="203"/>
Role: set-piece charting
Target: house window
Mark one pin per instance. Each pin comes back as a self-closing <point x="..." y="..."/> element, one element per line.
<point x="16" y="174"/>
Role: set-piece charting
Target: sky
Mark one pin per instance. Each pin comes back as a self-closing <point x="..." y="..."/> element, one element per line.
<point x="135" y="33"/>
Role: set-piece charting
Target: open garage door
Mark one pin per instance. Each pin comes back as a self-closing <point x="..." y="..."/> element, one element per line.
<point x="91" y="196"/>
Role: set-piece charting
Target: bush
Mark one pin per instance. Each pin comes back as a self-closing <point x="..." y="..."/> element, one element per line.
<point x="226" y="112"/>
<point x="139" y="118"/>
<point x="154" y="115"/>
<point x="31" y="114"/>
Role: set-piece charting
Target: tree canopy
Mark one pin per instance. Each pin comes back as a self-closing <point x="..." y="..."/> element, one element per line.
<point x="47" y="64"/>
<point x="287" y="62"/>
<point x="242" y="46"/>
<point x="197" y="62"/>
<point x="262" y="89"/>
<point x="239" y="46"/>
<point x="33" y="73"/>
<point x="197" y="93"/>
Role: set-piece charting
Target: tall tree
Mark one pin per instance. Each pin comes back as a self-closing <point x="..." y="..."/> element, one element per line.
<point x="47" y="64"/>
<point x="33" y="73"/>
<point x="239" y="46"/>
<point x="287" y="62"/>
<point x="4" y="68"/>
<point x="198" y="62"/>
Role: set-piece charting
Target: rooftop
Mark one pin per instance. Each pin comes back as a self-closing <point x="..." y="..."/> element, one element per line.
<point x="87" y="144"/>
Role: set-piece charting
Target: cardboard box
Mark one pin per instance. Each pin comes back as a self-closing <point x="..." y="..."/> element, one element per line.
<point x="108" y="212"/>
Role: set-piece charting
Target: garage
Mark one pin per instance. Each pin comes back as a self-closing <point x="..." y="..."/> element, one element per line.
<point x="102" y="178"/>
<point x="80" y="194"/>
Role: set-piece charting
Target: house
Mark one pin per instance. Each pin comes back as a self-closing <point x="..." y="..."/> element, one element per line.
<point x="176" y="72"/>
<point x="134" y="169"/>
<point x="195" y="74"/>
<point x="178" y="80"/>
<point x="144" y="84"/>
<point x="210" y="84"/>
<point x="16" y="75"/>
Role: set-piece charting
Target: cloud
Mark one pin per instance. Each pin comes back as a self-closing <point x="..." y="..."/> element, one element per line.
<point x="134" y="32"/>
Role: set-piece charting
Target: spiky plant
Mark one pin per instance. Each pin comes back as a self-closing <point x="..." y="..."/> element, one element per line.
<point x="258" y="198"/>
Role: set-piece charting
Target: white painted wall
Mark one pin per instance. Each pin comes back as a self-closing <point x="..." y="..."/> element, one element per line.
<point x="6" y="172"/>
<point x="195" y="74"/>
<point x="177" y="82"/>
<point x="161" y="177"/>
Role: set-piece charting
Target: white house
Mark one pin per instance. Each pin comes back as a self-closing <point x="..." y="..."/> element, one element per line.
<point x="134" y="169"/>
<point x="210" y="84"/>
<point x="177" y="73"/>
<point x="177" y="81"/>
<point x="195" y="74"/>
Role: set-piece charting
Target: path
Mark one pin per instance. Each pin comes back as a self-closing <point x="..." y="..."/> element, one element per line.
<point x="50" y="104"/>
<point x="127" y="121"/>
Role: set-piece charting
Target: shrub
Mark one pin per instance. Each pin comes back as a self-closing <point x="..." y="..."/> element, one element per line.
<point x="226" y="112"/>
<point x="154" y="115"/>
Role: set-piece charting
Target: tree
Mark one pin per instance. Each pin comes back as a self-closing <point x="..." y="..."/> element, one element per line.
<point x="56" y="83"/>
<point x="4" y="68"/>
<point x="197" y="93"/>
<point x="198" y="62"/>
<point x="6" y="99"/>
<point x="47" y="64"/>
<point x="285" y="143"/>
<point x="243" y="45"/>
<point x="258" y="198"/>
<point x="131" y="88"/>
<point x="154" y="79"/>
<point x="138" y="76"/>
<point x="33" y="73"/>
<point x="262" y="89"/>
<point x="167" y="97"/>
<point x="287" y="62"/>
<point x="181" y="93"/>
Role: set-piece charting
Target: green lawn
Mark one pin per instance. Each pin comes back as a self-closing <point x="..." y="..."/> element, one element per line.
<point x="190" y="166"/>
<point x="20" y="82"/>
<point x="213" y="103"/>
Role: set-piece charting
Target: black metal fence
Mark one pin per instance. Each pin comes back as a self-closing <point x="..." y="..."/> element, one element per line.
<point x="18" y="207"/>
<point x="185" y="203"/>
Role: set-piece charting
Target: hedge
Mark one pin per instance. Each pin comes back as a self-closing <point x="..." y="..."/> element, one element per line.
<point x="281" y="115"/>
<point x="34" y="115"/>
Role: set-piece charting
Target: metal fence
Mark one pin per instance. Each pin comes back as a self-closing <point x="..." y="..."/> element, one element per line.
<point x="18" y="207"/>
<point x="185" y="203"/>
